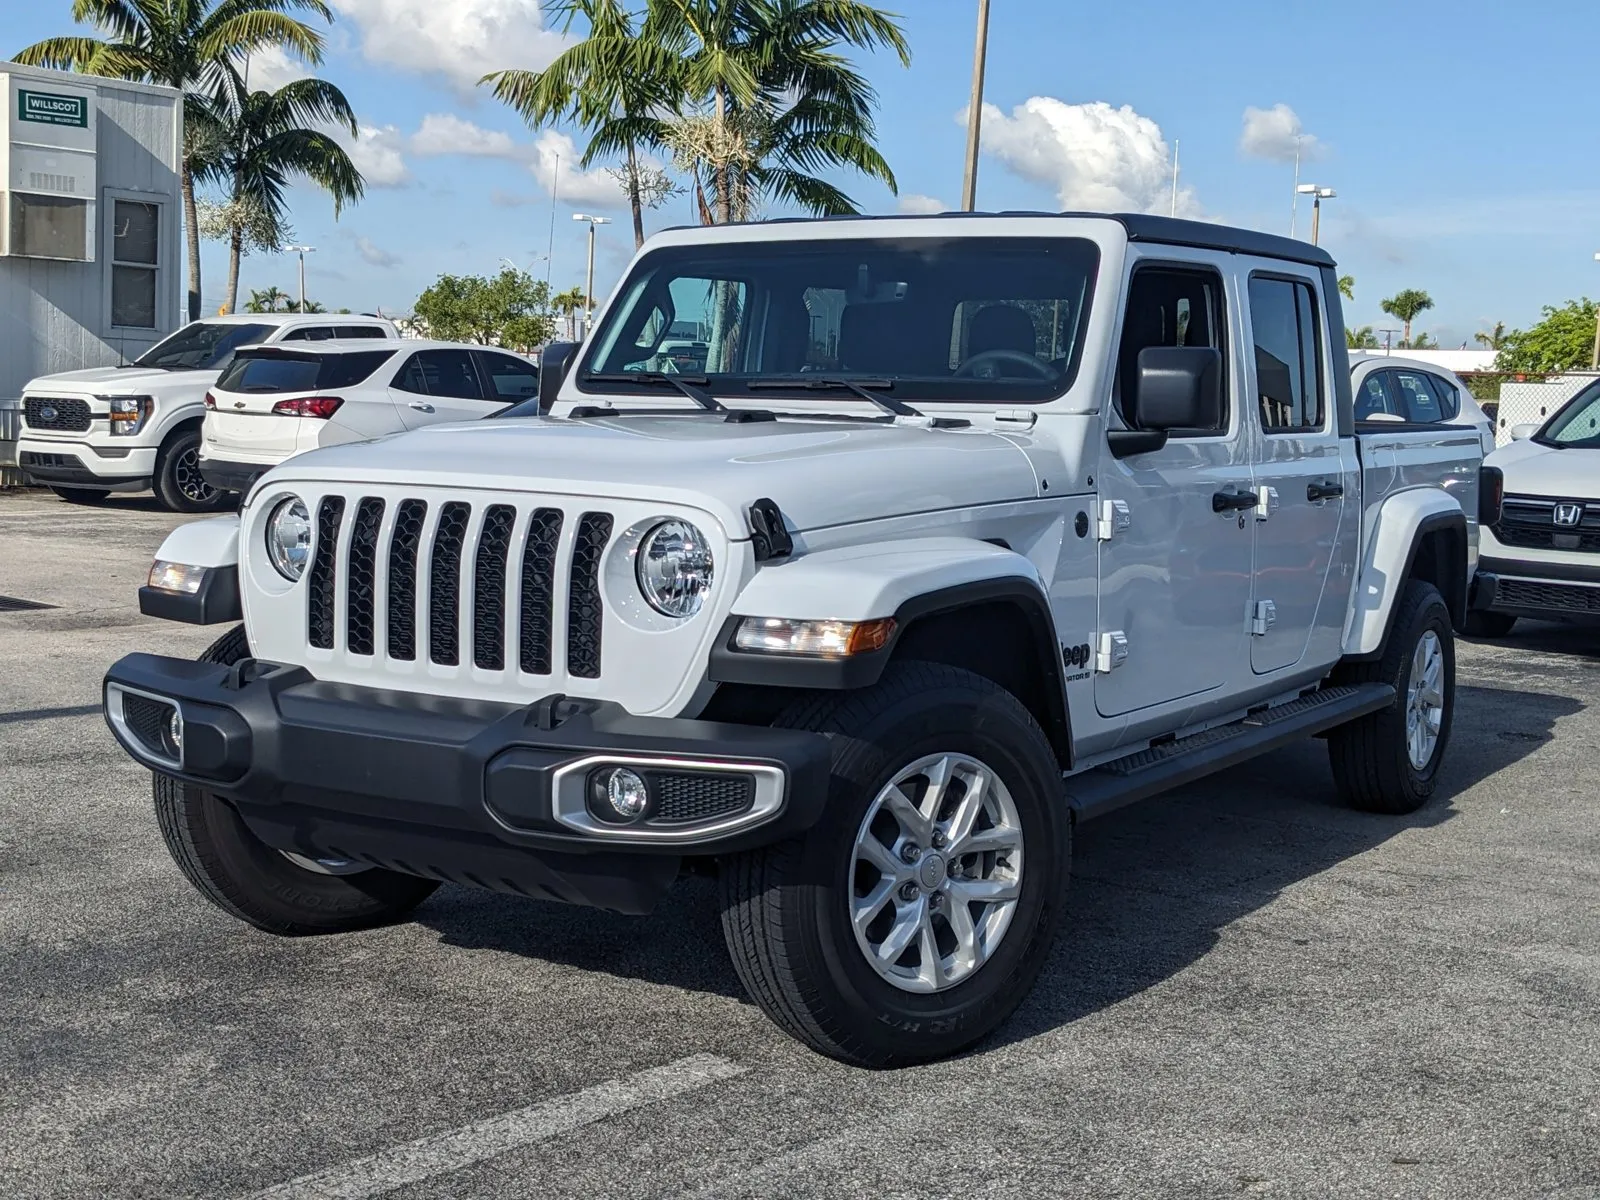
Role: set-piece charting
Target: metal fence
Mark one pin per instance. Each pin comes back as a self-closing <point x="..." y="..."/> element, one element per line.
<point x="10" y="430"/>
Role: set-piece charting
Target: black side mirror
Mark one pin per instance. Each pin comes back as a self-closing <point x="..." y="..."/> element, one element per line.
<point x="1178" y="387"/>
<point x="554" y="364"/>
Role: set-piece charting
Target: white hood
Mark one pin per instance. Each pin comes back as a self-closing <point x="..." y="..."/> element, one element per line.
<point x="820" y="473"/>
<point x="1534" y="470"/>
<point x="118" y="381"/>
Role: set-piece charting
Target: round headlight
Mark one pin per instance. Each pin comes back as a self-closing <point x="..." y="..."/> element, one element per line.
<point x="289" y="538"/>
<point x="674" y="568"/>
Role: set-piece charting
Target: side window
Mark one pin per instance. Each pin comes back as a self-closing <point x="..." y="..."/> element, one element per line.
<point x="411" y="378"/>
<point x="1418" y="403"/>
<point x="134" y="259"/>
<point x="511" y="378"/>
<point x="1288" y="354"/>
<point x="359" y="331"/>
<point x="309" y="333"/>
<point x="1375" y="399"/>
<point x="1172" y="306"/>
<point x="451" y="373"/>
<point x="1449" y="397"/>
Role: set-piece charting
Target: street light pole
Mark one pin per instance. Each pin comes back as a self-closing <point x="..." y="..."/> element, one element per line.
<point x="588" y="289"/>
<point x="1318" y="194"/>
<point x="969" y="187"/>
<point x="302" y="251"/>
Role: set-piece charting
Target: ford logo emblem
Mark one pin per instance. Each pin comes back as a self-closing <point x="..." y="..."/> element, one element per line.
<point x="47" y="413"/>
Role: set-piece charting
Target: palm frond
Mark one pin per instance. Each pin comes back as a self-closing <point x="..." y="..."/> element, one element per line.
<point x="254" y="30"/>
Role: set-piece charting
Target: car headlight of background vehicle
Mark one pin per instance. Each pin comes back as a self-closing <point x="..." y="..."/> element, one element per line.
<point x="674" y="568"/>
<point x="129" y="413"/>
<point x="289" y="537"/>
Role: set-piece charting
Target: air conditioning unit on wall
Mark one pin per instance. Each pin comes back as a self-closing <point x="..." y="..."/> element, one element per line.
<point x="47" y="160"/>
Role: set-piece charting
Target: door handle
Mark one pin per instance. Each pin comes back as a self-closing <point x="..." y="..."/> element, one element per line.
<point x="1233" y="501"/>
<point x="421" y="406"/>
<point x="1328" y="489"/>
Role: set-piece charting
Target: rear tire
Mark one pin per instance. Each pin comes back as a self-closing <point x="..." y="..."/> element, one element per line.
<point x="178" y="484"/>
<point x="1388" y="761"/>
<point x="790" y="910"/>
<point x="74" y="495"/>
<point x="243" y="876"/>
<point x="1486" y="624"/>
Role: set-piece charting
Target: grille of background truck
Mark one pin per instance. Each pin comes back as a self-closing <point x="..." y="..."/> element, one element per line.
<point x="1529" y="522"/>
<point x="71" y="416"/>
<point x="1556" y="597"/>
<point x="464" y="564"/>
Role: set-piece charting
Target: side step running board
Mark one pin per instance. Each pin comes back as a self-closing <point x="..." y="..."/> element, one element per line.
<point x="1148" y="772"/>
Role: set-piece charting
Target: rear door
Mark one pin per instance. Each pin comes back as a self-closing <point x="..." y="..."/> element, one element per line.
<point x="1306" y="482"/>
<point x="441" y="385"/>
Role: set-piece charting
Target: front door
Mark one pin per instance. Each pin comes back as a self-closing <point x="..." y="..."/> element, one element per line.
<point x="1306" y="475"/>
<point x="1175" y="580"/>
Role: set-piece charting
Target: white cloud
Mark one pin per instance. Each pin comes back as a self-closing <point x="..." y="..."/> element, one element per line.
<point x="271" y="67"/>
<point x="446" y="133"/>
<point x="461" y="40"/>
<point x="555" y="157"/>
<point x="374" y="255"/>
<point x="918" y="205"/>
<point x="378" y="153"/>
<point x="1273" y="133"/>
<point x="1096" y="157"/>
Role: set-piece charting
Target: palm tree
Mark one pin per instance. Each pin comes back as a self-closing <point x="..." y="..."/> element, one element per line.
<point x="618" y="84"/>
<point x="1347" y="286"/>
<point x="187" y="44"/>
<point x="1360" y="339"/>
<point x="1406" y="305"/>
<point x="268" y="300"/>
<point x="569" y="303"/>
<point x="267" y="138"/>
<point x="1494" y="339"/>
<point x="771" y="101"/>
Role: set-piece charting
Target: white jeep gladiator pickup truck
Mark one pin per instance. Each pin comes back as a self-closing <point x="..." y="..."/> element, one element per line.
<point x="86" y="434"/>
<point x="971" y="528"/>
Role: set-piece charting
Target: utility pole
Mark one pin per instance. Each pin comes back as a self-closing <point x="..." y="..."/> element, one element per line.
<point x="1388" y="337"/>
<point x="302" y="251"/>
<point x="969" y="187"/>
<point x="1175" y="145"/>
<point x="1294" y="204"/>
<point x="550" y="255"/>
<point x="588" y="290"/>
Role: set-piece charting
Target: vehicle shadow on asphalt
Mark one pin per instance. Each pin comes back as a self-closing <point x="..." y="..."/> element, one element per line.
<point x="1152" y="887"/>
<point x="1567" y="639"/>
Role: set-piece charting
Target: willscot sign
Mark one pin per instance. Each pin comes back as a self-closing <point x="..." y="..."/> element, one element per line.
<point x="50" y="108"/>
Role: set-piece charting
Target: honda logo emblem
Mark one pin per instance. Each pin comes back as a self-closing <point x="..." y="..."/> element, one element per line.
<point x="1568" y="515"/>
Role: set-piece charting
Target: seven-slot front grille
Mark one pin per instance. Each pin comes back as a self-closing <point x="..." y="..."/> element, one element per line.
<point x="489" y="573"/>
<point x="60" y="414"/>
<point x="1529" y="522"/>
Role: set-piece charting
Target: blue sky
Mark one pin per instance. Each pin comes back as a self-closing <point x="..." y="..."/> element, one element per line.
<point x="1459" y="137"/>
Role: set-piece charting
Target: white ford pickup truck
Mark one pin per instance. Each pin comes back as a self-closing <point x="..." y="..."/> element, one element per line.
<point x="86" y="434"/>
<point x="970" y="529"/>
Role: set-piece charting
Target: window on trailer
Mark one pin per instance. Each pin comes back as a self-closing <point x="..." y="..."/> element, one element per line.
<point x="134" y="255"/>
<point x="49" y="227"/>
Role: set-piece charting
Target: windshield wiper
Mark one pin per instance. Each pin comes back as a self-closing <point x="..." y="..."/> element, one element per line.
<point x="689" y="385"/>
<point x="867" y="389"/>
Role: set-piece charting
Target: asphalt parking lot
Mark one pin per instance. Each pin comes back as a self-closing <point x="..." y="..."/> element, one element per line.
<point x="1256" y="992"/>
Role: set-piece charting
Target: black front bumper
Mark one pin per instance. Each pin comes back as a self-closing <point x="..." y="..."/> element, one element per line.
<point x="1552" y="591"/>
<point x="68" y="470"/>
<point x="461" y="790"/>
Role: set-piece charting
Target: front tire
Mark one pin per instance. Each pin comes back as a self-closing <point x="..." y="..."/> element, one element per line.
<point x="915" y="916"/>
<point x="1388" y="761"/>
<point x="245" y="877"/>
<point x="178" y="484"/>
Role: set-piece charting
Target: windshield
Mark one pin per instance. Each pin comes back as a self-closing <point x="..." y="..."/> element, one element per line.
<point x="985" y="320"/>
<point x="203" y="346"/>
<point x="260" y="371"/>
<point x="1578" y="424"/>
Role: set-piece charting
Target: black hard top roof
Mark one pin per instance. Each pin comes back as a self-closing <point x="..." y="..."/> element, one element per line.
<point x="1141" y="227"/>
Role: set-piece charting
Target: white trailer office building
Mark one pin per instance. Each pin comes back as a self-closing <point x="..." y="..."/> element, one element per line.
<point x="91" y="259"/>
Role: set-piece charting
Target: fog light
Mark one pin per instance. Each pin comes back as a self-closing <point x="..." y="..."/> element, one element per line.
<point x="626" y="793"/>
<point x="175" y="734"/>
<point x="182" y="578"/>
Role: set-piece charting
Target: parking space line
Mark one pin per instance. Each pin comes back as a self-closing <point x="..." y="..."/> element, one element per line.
<point x="453" y="1149"/>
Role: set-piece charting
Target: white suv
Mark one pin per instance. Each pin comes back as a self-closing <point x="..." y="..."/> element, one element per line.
<point x="1542" y="558"/>
<point x="278" y="400"/>
<point x="88" y="433"/>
